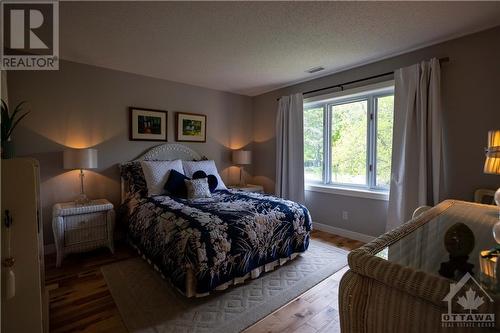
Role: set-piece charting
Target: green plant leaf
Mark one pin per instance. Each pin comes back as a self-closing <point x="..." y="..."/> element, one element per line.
<point x="4" y="106"/>
<point x="6" y="121"/>
<point x="18" y="108"/>
<point x="5" y="113"/>
<point x="9" y="122"/>
<point x="15" y="123"/>
<point x="4" y="133"/>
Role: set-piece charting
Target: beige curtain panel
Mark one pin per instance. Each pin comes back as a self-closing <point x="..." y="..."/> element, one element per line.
<point x="290" y="148"/>
<point x="417" y="142"/>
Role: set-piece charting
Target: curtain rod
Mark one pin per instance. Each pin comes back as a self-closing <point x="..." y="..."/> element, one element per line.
<point x="341" y="86"/>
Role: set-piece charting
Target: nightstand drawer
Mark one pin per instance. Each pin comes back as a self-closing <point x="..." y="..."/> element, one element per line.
<point x="85" y="220"/>
<point x="81" y="228"/>
<point x="79" y="236"/>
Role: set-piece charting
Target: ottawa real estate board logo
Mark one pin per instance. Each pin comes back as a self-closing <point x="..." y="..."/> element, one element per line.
<point x="30" y="35"/>
<point x="469" y="305"/>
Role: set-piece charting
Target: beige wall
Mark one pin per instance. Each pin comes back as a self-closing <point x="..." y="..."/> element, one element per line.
<point x="87" y="106"/>
<point x="83" y="106"/>
<point x="3" y="86"/>
<point x="471" y="86"/>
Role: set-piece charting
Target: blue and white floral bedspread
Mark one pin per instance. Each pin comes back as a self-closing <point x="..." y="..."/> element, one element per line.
<point x="219" y="238"/>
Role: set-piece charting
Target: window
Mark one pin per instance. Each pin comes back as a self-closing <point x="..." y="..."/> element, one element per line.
<point x="348" y="138"/>
<point x="313" y="144"/>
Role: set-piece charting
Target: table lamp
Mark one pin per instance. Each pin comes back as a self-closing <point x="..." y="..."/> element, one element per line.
<point x="80" y="159"/>
<point x="241" y="158"/>
<point x="488" y="259"/>
<point x="492" y="163"/>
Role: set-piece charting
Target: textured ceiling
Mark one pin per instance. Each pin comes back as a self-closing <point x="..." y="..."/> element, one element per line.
<point x="253" y="47"/>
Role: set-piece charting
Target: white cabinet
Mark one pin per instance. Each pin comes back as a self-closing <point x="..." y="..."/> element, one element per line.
<point x="27" y="310"/>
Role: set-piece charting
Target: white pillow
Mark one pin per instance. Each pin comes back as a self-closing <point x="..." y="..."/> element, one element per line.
<point x="190" y="167"/>
<point x="156" y="174"/>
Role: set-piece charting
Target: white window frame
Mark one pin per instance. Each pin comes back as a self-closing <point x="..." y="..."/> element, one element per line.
<point x="370" y="93"/>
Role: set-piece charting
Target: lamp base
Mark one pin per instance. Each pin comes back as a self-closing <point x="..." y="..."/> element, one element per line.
<point x="243" y="182"/>
<point x="497" y="200"/>
<point x="82" y="200"/>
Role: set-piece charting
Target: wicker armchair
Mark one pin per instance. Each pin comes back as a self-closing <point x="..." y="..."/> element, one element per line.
<point x="378" y="295"/>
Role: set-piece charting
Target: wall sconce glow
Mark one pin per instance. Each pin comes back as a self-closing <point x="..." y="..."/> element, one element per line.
<point x="78" y="142"/>
<point x="72" y="129"/>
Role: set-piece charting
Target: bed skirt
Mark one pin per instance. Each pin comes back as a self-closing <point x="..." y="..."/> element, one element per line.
<point x="191" y="280"/>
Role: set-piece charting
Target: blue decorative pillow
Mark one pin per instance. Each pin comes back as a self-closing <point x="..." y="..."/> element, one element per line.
<point x="199" y="174"/>
<point x="212" y="180"/>
<point x="175" y="184"/>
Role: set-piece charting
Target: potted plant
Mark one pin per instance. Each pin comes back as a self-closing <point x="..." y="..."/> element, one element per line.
<point x="9" y="123"/>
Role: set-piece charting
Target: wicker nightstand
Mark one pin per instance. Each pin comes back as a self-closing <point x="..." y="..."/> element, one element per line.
<point x="80" y="228"/>
<point x="247" y="188"/>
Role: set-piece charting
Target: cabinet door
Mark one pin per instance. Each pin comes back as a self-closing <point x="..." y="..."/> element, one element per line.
<point x="23" y="312"/>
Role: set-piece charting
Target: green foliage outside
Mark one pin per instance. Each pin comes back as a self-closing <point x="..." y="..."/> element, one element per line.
<point x="385" y="121"/>
<point x="349" y="142"/>
<point x="313" y="144"/>
<point x="349" y="130"/>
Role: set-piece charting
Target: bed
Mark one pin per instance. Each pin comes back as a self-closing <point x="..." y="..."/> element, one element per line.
<point x="209" y="244"/>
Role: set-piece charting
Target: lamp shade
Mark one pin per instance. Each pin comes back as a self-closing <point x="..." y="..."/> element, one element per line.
<point x="492" y="163"/>
<point x="242" y="157"/>
<point x="80" y="158"/>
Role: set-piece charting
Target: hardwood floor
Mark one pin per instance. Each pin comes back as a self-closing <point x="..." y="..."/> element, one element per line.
<point x="313" y="311"/>
<point x="79" y="299"/>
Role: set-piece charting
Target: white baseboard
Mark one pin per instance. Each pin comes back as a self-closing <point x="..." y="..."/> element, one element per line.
<point x="49" y="249"/>
<point x="343" y="232"/>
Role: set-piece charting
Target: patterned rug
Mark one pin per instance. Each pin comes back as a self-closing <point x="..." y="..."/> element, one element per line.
<point x="148" y="304"/>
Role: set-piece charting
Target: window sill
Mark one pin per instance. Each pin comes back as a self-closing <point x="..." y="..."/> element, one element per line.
<point x="351" y="192"/>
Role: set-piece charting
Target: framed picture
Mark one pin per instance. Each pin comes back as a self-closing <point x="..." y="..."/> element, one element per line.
<point x="191" y="127"/>
<point x="148" y="124"/>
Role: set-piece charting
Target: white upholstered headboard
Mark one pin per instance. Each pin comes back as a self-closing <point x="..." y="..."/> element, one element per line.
<point x="164" y="152"/>
<point x="168" y="152"/>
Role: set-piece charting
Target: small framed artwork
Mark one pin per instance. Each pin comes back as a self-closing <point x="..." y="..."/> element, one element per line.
<point x="191" y="127"/>
<point x="148" y="124"/>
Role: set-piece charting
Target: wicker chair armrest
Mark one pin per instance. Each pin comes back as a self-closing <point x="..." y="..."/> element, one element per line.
<point x="420" y="284"/>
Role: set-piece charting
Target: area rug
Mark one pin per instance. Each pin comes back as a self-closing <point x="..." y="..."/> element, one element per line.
<point x="149" y="304"/>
